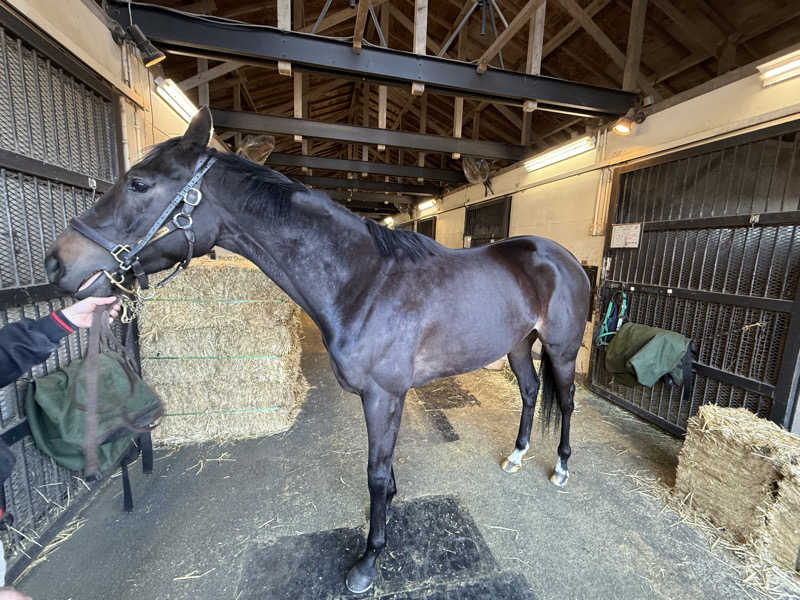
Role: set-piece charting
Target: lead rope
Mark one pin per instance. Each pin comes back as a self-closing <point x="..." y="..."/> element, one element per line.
<point x="91" y="371"/>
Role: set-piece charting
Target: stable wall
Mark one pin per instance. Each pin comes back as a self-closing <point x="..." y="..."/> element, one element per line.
<point x="80" y="26"/>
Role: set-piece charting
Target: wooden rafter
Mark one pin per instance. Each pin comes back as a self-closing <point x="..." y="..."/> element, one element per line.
<point x="362" y="10"/>
<point x="420" y="37"/>
<point x="340" y="16"/>
<point x="209" y="75"/>
<point x="516" y="24"/>
<point x="634" y="51"/>
<point x="599" y="36"/>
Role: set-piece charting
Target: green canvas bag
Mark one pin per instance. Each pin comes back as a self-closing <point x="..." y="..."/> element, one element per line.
<point x="57" y="414"/>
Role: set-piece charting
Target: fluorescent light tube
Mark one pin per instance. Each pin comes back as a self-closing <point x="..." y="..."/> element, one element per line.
<point x="780" y="69"/>
<point x="426" y="204"/>
<point x="579" y="146"/>
<point x="174" y="96"/>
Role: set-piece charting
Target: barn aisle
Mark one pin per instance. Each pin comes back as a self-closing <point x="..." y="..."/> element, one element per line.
<point x="275" y="517"/>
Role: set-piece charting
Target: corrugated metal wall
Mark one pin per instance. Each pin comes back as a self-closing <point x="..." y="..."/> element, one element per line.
<point x="57" y="153"/>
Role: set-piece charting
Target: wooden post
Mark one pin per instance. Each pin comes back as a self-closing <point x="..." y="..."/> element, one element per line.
<point x="365" y="121"/>
<point x="533" y="66"/>
<point x="362" y="10"/>
<point x="202" y="89"/>
<point x="502" y="39"/>
<point x="285" y="23"/>
<point x="635" y="37"/>
<point x="382" y="90"/>
<point x="298" y="100"/>
<point x="423" y="124"/>
<point x="458" y="103"/>
<point x="420" y="38"/>
<point x="237" y="106"/>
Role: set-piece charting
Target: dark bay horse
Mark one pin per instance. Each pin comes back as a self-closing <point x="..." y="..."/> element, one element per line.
<point x="395" y="308"/>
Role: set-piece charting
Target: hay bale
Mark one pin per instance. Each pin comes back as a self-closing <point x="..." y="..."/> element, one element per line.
<point x="220" y="345"/>
<point x="743" y="473"/>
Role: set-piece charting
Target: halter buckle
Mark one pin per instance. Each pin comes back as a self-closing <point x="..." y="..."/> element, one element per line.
<point x="177" y="222"/>
<point x="186" y="196"/>
<point x="119" y="249"/>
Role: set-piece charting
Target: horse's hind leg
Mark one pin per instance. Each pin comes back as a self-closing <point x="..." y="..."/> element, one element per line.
<point x="522" y="365"/>
<point x="564" y="375"/>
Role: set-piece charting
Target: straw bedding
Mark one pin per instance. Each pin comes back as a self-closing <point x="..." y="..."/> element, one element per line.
<point x="220" y="345"/>
<point x="744" y="474"/>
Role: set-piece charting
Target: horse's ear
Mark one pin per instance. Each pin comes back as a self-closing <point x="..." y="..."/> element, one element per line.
<point x="199" y="130"/>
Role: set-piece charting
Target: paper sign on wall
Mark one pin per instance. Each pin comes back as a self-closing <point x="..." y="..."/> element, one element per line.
<point x="626" y="235"/>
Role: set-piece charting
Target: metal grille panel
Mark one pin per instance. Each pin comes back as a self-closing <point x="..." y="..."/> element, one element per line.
<point x="51" y="116"/>
<point x="48" y="114"/>
<point x="728" y="283"/>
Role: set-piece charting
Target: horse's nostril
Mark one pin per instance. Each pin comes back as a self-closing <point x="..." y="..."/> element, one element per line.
<point x="53" y="268"/>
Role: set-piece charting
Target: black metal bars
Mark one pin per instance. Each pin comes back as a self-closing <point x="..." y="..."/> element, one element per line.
<point x="361" y="166"/>
<point x="257" y="123"/>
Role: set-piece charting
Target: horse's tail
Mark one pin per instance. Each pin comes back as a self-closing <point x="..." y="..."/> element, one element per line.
<point x="547" y="412"/>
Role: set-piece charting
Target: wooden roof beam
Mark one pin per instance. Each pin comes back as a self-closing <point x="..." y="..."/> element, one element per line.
<point x="340" y="16"/>
<point x="597" y="34"/>
<point x="516" y="24"/>
<point x="362" y="10"/>
<point x="634" y="50"/>
<point x="209" y="75"/>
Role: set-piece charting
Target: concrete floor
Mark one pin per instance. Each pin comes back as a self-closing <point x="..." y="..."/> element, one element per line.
<point x="601" y="537"/>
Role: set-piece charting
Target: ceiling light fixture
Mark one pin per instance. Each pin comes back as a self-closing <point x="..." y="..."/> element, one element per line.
<point x="780" y="69"/>
<point x="627" y="122"/>
<point x="174" y="96"/>
<point x="426" y="204"/>
<point x="579" y="146"/>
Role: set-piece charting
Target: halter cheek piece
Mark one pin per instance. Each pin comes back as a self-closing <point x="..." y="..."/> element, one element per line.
<point x="169" y="220"/>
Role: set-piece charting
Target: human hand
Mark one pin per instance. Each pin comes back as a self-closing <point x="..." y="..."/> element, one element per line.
<point x="80" y="314"/>
<point x="9" y="593"/>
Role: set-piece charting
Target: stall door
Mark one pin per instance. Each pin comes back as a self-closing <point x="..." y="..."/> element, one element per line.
<point x="57" y="153"/>
<point x="717" y="258"/>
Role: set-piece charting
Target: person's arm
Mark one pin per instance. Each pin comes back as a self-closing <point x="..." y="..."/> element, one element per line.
<point x="26" y="343"/>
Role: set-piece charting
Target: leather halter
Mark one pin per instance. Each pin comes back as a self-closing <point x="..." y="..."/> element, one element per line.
<point x="169" y="220"/>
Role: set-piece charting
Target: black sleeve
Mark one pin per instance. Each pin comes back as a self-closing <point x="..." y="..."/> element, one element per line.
<point x="26" y="343"/>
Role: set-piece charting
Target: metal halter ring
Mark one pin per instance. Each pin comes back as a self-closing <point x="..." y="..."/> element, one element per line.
<point x="119" y="249"/>
<point x="177" y="222"/>
<point x="196" y="202"/>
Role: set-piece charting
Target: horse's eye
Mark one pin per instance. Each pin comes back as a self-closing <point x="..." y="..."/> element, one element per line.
<point x="137" y="185"/>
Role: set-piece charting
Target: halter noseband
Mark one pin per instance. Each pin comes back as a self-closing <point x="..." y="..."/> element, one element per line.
<point x="127" y="257"/>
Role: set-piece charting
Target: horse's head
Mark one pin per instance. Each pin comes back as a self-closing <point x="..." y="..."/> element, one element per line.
<point x="129" y="209"/>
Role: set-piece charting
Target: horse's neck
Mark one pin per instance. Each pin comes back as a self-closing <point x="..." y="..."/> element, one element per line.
<point x="319" y="257"/>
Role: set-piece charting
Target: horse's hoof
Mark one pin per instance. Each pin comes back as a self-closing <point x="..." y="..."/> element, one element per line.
<point x="510" y="467"/>
<point x="559" y="479"/>
<point x="357" y="582"/>
<point x="560" y="475"/>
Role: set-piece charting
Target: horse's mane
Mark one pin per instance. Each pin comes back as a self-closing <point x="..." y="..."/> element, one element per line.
<point x="265" y="192"/>
<point x="401" y="242"/>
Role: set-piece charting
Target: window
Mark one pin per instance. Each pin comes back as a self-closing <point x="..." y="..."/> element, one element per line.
<point x="427" y="227"/>
<point x="487" y="222"/>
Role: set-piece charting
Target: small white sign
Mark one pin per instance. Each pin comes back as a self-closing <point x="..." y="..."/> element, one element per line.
<point x="626" y="235"/>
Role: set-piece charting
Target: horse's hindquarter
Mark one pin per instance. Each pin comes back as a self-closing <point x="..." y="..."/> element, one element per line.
<point x="476" y="305"/>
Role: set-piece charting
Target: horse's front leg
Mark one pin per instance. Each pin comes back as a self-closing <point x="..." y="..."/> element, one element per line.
<point x="382" y="411"/>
